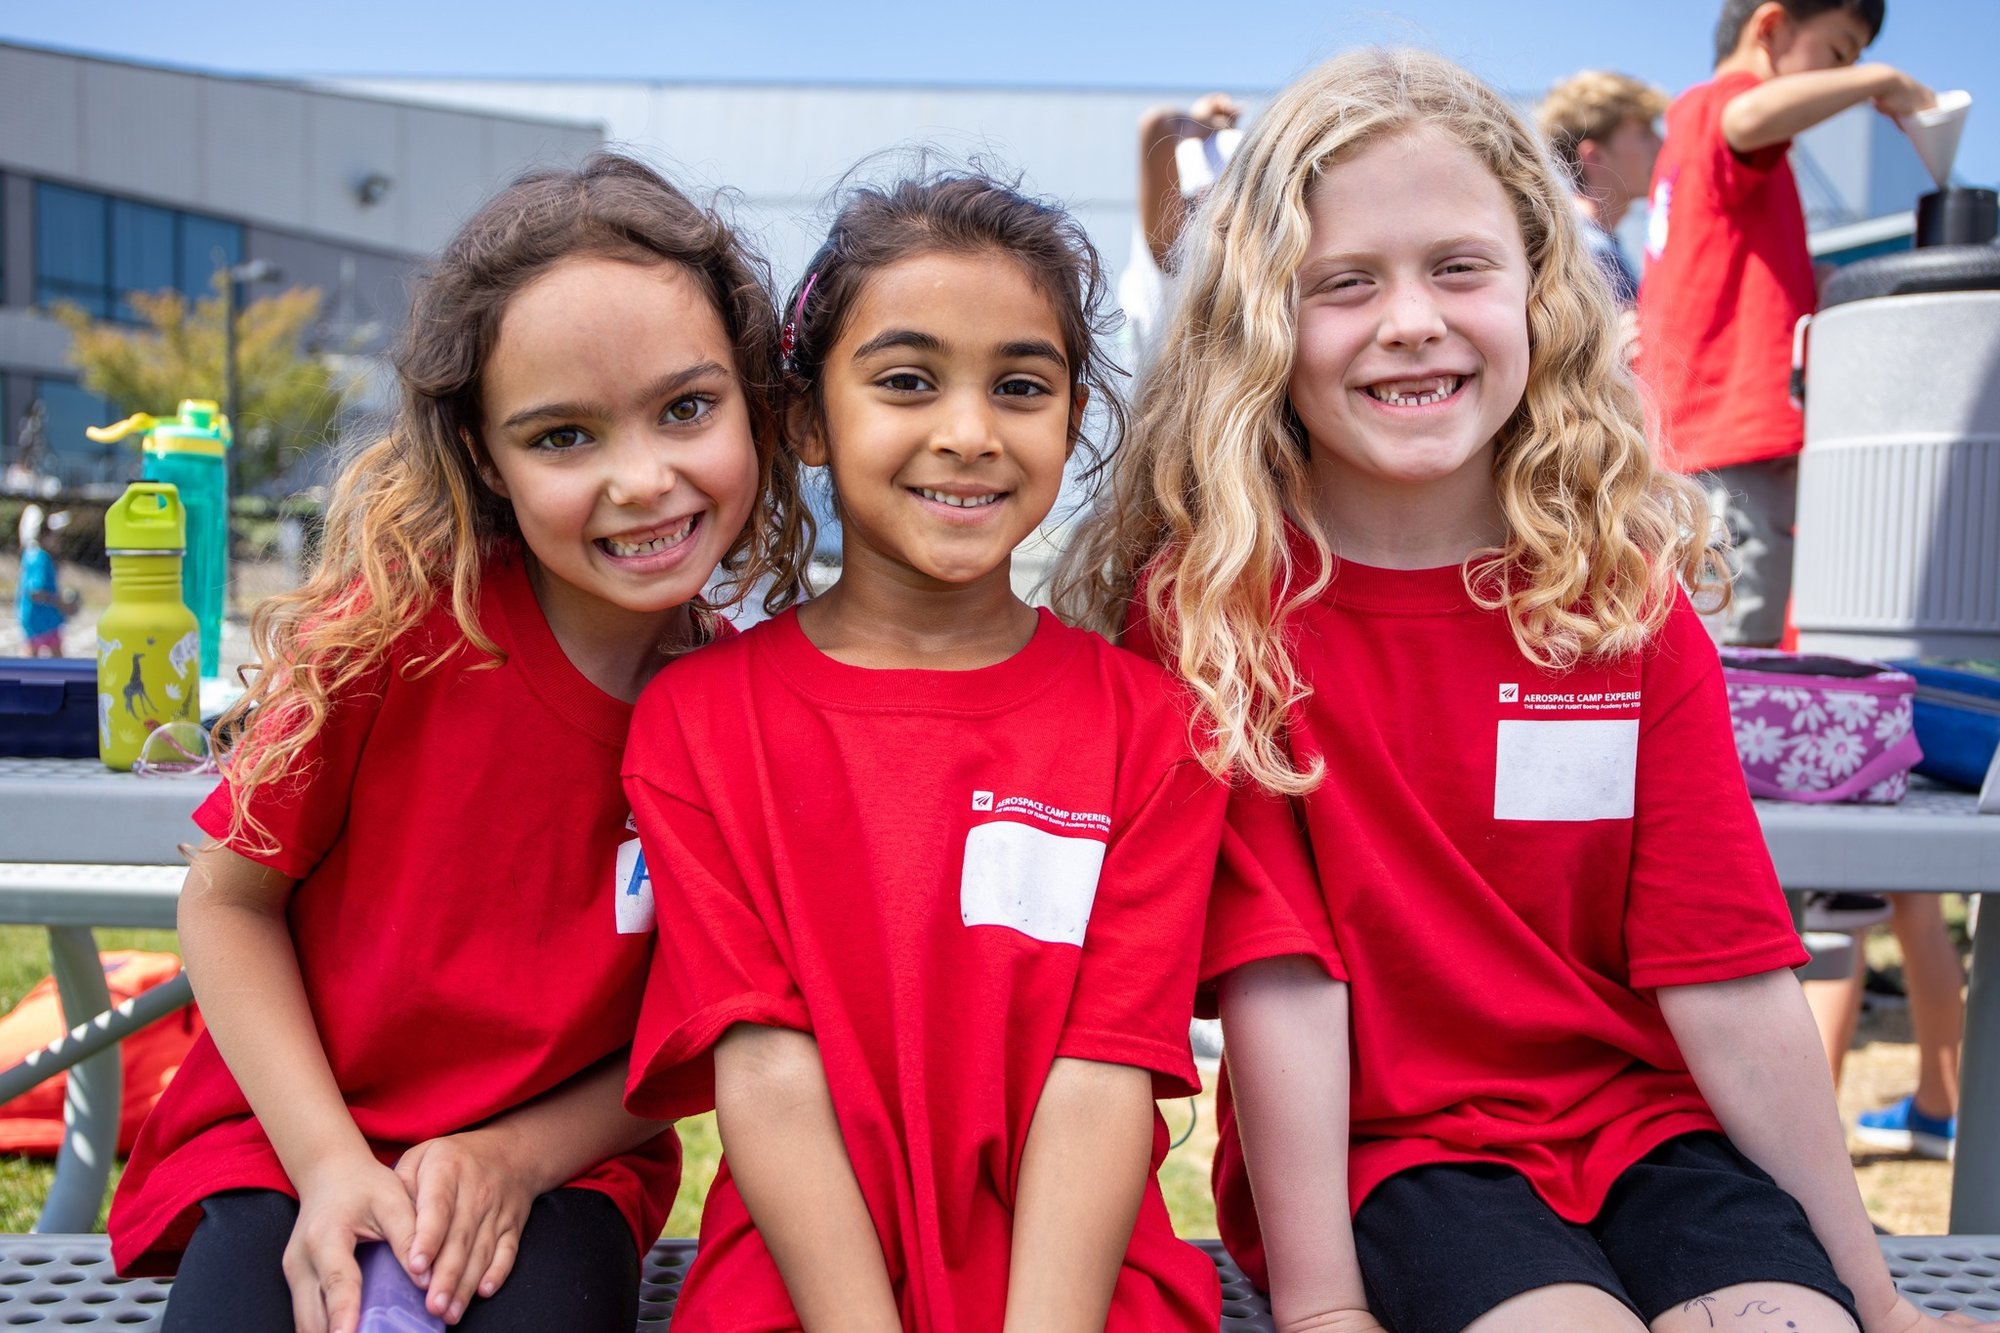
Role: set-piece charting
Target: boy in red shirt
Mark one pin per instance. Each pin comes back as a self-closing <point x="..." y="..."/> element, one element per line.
<point x="1728" y="274"/>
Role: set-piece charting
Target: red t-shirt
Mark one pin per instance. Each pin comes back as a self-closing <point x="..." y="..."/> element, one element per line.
<point x="1728" y="275"/>
<point x="464" y="937"/>
<point x="950" y="879"/>
<point x="1514" y="860"/>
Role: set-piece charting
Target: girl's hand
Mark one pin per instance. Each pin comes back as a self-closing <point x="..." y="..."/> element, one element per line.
<point x="471" y="1199"/>
<point x="1904" y="1317"/>
<point x="345" y="1202"/>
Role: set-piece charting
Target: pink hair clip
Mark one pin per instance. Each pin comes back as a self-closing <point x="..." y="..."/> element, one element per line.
<point x="788" y="341"/>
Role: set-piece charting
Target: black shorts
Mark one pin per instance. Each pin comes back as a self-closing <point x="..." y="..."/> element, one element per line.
<point x="1442" y="1245"/>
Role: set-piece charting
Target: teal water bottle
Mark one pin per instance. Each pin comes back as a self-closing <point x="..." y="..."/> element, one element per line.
<point x="190" y="452"/>
<point x="148" y="646"/>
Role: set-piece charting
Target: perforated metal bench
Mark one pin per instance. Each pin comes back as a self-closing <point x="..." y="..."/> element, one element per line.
<point x="66" y="1282"/>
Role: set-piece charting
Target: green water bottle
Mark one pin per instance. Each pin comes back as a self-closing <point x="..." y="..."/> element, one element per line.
<point x="148" y="645"/>
<point x="191" y="451"/>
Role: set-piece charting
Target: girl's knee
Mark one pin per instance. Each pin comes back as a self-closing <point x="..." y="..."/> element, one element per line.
<point x="1565" y="1305"/>
<point x="1758" y="1307"/>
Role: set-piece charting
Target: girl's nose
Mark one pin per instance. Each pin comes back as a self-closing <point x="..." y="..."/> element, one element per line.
<point x="1410" y="317"/>
<point x="966" y="428"/>
<point x="640" y="471"/>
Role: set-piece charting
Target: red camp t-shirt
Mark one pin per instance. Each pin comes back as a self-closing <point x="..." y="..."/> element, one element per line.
<point x="1728" y="275"/>
<point x="1514" y="860"/>
<point x="950" y="879"/>
<point x="463" y="933"/>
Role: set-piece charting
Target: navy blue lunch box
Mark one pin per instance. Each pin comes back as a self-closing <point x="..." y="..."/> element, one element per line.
<point x="1957" y="718"/>
<point x="48" y="707"/>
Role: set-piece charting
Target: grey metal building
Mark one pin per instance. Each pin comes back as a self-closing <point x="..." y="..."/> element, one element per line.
<point x="118" y="177"/>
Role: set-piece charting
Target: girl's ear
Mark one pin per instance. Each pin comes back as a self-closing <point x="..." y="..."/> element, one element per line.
<point x="482" y="465"/>
<point x="803" y="429"/>
<point x="1079" y="400"/>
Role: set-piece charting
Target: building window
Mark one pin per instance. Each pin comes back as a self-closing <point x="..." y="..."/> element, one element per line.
<point x="96" y="250"/>
<point x="75" y="458"/>
<point x="70" y="248"/>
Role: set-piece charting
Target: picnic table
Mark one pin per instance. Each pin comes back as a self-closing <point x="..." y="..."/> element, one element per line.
<point x="73" y="813"/>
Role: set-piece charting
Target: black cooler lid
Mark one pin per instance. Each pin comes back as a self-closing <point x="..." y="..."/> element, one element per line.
<point x="1935" y="268"/>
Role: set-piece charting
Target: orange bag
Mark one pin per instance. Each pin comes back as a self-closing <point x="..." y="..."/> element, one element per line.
<point x="33" y="1122"/>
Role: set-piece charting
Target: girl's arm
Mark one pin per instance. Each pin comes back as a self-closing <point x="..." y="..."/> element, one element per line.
<point x="1285" y="1021"/>
<point x="782" y="1141"/>
<point x="1756" y="1056"/>
<point x="1779" y="108"/>
<point x="1083" y="1173"/>
<point x="473" y="1190"/>
<point x="245" y="973"/>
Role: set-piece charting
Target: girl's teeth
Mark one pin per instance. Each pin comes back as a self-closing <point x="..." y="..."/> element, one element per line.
<point x="1398" y="398"/>
<point x="653" y="546"/>
<point x="960" y="501"/>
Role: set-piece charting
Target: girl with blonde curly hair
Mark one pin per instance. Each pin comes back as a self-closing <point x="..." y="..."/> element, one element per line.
<point x="422" y="929"/>
<point x="1389" y="509"/>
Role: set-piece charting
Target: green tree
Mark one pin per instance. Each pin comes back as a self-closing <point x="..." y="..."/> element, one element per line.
<point x="287" y="399"/>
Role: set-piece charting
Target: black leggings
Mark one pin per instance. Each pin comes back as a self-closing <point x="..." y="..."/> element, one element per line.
<point x="575" y="1271"/>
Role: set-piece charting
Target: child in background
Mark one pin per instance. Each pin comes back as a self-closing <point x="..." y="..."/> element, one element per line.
<point x="417" y="938"/>
<point x="942" y="861"/>
<point x="1728" y="274"/>
<point x="1399" y="529"/>
<point x="44" y="605"/>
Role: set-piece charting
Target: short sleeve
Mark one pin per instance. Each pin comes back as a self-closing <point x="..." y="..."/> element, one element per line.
<point x="1267" y="901"/>
<point x="302" y="811"/>
<point x="1737" y="176"/>
<point x="1705" y="904"/>
<point x="1135" y="984"/>
<point x="716" y="963"/>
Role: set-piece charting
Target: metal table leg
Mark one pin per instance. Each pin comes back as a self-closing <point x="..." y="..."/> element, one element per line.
<point x="96" y="1091"/>
<point x="1975" y="1172"/>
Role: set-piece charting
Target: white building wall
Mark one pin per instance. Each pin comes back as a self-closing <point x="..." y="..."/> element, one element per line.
<point x="781" y="146"/>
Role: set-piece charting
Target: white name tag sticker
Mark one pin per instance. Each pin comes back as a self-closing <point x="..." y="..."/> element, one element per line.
<point x="1027" y="879"/>
<point x="633" y="886"/>
<point x="1566" y="772"/>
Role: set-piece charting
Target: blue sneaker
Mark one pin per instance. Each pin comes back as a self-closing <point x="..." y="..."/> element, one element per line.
<point x="1901" y="1127"/>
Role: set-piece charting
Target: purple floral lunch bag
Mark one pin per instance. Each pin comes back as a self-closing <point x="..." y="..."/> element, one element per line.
<point x="1817" y="728"/>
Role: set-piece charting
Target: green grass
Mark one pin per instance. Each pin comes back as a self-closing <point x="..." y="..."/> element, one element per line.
<point x="24" y="960"/>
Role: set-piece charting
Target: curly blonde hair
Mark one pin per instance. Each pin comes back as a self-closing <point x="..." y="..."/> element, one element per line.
<point x="1215" y="474"/>
<point x="410" y="522"/>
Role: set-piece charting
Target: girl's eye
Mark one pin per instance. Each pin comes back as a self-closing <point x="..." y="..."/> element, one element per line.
<point x="904" y="381"/>
<point x="558" y="440"/>
<point x="692" y="408"/>
<point x="1019" y="388"/>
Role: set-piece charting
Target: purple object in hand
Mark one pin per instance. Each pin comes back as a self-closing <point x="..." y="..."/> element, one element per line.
<point x="390" y="1302"/>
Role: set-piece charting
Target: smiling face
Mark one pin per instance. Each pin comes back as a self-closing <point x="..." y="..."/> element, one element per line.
<point x="616" y="427"/>
<point x="946" y="415"/>
<point x="1412" y="317"/>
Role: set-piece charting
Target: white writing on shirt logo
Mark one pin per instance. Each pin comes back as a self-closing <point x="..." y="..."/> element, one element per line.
<point x="1509" y="693"/>
<point x="1572" y="701"/>
<point x="1054" y="816"/>
<point x="632" y="890"/>
<point x="1565" y="771"/>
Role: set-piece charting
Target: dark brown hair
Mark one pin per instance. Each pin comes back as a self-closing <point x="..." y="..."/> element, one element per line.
<point x="957" y="212"/>
<point x="1736" y="13"/>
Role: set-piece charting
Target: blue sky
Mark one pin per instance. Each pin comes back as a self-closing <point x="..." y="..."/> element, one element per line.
<point x="1247" y="44"/>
